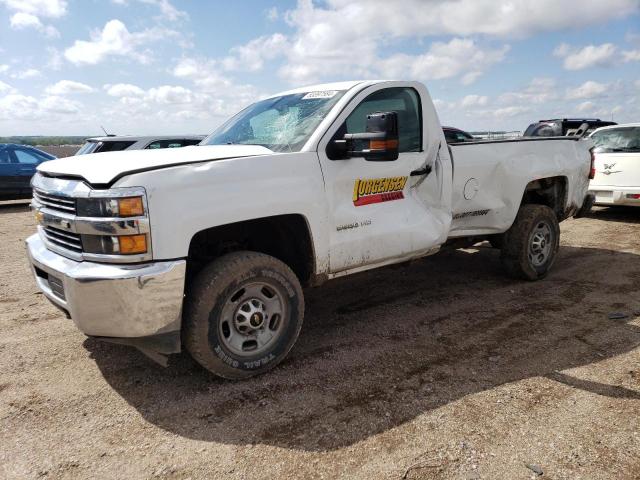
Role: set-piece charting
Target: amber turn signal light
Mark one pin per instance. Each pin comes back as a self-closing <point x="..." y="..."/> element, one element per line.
<point x="130" y="244"/>
<point x="383" y="144"/>
<point x="130" y="207"/>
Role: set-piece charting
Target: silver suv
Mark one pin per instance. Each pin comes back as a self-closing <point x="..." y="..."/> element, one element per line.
<point x="112" y="143"/>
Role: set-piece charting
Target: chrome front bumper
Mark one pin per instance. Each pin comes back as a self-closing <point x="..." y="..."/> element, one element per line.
<point x="114" y="301"/>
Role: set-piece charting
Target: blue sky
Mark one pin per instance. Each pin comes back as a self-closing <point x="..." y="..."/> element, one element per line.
<point x="169" y="66"/>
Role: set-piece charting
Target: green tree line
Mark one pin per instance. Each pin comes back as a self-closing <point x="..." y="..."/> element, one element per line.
<point x="48" y="141"/>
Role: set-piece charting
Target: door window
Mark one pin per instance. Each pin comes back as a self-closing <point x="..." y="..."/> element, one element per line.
<point x="405" y="102"/>
<point x="166" y="144"/>
<point x="4" y="156"/>
<point x="27" y="158"/>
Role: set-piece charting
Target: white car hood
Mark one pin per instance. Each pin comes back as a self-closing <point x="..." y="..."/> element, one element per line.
<point x="104" y="168"/>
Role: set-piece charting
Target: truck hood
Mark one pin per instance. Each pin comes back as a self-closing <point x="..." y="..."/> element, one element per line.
<point x="105" y="168"/>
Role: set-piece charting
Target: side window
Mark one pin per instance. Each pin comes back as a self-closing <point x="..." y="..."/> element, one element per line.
<point x="26" y="158"/>
<point x="4" y="156"/>
<point x="405" y="102"/>
<point x="113" y="146"/>
<point x="165" y="144"/>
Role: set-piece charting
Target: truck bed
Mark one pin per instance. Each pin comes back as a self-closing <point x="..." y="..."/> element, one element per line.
<point x="490" y="178"/>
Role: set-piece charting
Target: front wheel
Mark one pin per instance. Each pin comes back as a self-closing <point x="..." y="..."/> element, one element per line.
<point x="530" y="246"/>
<point x="243" y="314"/>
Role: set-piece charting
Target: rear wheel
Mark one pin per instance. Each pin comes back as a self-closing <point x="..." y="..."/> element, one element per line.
<point x="243" y="314"/>
<point x="530" y="246"/>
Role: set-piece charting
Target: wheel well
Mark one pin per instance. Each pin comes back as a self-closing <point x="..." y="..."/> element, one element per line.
<point x="551" y="192"/>
<point x="285" y="237"/>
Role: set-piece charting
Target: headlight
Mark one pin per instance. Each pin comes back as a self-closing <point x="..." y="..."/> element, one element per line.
<point x="110" y="207"/>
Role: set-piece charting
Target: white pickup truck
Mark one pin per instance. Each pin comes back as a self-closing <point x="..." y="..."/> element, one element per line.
<point x="208" y="247"/>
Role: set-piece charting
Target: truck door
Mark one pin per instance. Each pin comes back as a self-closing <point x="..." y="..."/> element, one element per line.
<point x="378" y="211"/>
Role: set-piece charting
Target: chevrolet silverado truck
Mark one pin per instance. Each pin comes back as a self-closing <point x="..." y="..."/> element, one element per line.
<point x="208" y="247"/>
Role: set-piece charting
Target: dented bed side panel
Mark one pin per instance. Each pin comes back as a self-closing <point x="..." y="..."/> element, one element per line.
<point x="490" y="179"/>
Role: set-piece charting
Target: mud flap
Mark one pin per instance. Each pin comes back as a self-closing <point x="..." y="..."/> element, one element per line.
<point x="584" y="210"/>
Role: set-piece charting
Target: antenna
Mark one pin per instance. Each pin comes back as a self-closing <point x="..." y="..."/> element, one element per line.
<point x="105" y="132"/>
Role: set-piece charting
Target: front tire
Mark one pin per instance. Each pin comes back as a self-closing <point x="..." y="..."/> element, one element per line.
<point x="243" y="313"/>
<point x="530" y="246"/>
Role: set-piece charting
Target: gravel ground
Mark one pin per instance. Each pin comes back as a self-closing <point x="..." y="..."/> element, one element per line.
<point x="438" y="369"/>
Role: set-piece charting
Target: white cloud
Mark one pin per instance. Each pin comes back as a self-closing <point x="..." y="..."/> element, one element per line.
<point x="443" y="60"/>
<point x="539" y="91"/>
<point x="631" y="56"/>
<point x="204" y="73"/>
<point x="586" y="107"/>
<point x="28" y="12"/>
<point x="25" y="20"/>
<point x="21" y="20"/>
<point x="42" y="8"/>
<point x="461" y="17"/>
<point x="124" y="90"/>
<point x="25" y="74"/>
<point x="511" y="111"/>
<point x="587" y="57"/>
<point x="114" y="40"/>
<point x="4" y="68"/>
<point x="55" y="104"/>
<point x="15" y="107"/>
<point x="65" y="87"/>
<point x="5" y="87"/>
<point x="474" y="101"/>
<point x="587" y="90"/>
<point x="167" y="10"/>
<point x="168" y="94"/>
<point x="251" y="56"/>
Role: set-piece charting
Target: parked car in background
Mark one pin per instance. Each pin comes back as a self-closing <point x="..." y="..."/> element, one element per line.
<point x="113" y="143"/>
<point x="455" y="135"/>
<point x="17" y="165"/>
<point x="617" y="165"/>
<point x="560" y="127"/>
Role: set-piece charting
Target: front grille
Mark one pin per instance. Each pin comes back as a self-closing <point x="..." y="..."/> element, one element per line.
<point x="55" y="202"/>
<point x="67" y="240"/>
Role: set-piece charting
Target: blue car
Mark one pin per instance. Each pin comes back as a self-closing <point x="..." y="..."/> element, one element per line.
<point x="17" y="165"/>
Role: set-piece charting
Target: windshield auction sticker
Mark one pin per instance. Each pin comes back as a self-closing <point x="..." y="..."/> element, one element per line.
<point x="320" y="94"/>
<point x="378" y="190"/>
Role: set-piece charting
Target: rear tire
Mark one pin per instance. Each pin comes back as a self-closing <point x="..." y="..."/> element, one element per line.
<point x="530" y="246"/>
<point x="243" y="314"/>
<point x="496" y="241"/>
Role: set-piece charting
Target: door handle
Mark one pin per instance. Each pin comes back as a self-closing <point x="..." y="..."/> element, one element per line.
<point x="426" y="170"/>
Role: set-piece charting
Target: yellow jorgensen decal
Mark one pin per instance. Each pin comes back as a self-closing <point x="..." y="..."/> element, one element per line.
<point x="377" y="190"/>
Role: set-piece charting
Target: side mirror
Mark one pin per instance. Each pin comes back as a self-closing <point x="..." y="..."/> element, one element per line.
<point x="379" y="143"/>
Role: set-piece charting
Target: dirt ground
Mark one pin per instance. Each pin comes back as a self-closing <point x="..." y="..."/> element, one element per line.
<point x="440" y="369"/>
<point x="60" y="151"/>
